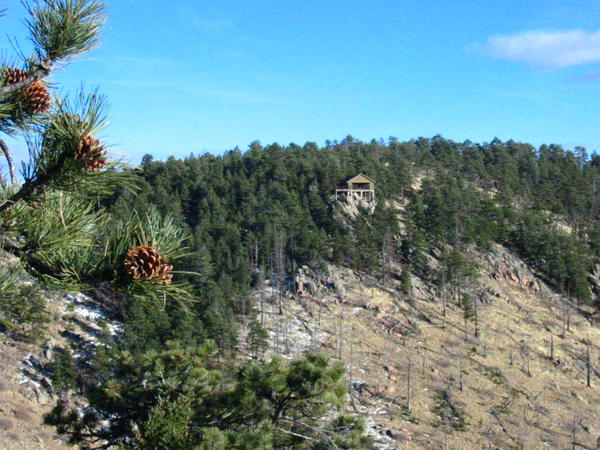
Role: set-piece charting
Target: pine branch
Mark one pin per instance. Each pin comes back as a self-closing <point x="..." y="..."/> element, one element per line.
<point x="43" y="70"/>
<point x="318" y="431"/>
<point x="291" y="433"/>
<point x="9" y="159"/>
<point x="10" y="245"/>
<point x="32" y="187"/>
<point x="60" y="30"/>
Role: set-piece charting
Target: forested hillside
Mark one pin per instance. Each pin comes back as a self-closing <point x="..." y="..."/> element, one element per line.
<point x="261" y="213"/>
<point x="446" y="296"/>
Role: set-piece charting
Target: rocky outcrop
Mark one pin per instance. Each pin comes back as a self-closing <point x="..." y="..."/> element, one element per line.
<point x="594" y="279"/>
<point x="504" y="266"/>
<point x="26" y="390"/>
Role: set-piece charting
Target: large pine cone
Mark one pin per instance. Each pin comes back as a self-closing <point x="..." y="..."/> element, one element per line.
<point x="38" y="98"/>
<point x="13" y="75"/>
<point x="144" y="263"/>
<point x="92" y="153"/>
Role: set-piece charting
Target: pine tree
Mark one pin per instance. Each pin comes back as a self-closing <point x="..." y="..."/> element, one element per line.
<point x="178" y="398"/>
<point x="48" y="220"/>
<point x="64" y="374"/>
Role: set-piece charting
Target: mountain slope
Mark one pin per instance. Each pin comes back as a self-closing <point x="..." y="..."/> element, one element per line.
<point x="513" y="393"/>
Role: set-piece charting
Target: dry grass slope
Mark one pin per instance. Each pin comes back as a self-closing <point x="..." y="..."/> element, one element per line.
<point x="520" y="383"/>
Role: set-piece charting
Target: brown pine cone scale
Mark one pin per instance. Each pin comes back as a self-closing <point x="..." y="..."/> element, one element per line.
<point x="143" y="262"/>
<point x="92" y="153"/>
<point x="12" y="75"/>
<point x="37" y="98"/>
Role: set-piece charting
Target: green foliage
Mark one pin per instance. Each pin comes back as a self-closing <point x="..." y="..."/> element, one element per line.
<point x="61" y="231"/>
<point x="235" y="204"/>
<point x="467" y="305"/>
<point x="179" y="398"/>
<point x="49" y="221"/>
<point x="560" y="257"/>
<point x="61" y="29"/>
<point x="167" y="426"/>
<point x="27" y="317"/>
<point x="449" y="418"/>
<point x="405" y="281"/>
<point x="456" y="266"/>
<point x="64" y="372"/>
<point x="258" y="339"/>
<point x="147" y="389"/>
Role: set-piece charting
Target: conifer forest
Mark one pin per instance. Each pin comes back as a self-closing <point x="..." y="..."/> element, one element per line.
<point x="235" y="301"/>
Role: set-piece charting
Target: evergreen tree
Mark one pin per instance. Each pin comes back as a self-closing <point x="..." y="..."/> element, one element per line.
<point x="64" y="373"/>
<point x="178" y="398"/>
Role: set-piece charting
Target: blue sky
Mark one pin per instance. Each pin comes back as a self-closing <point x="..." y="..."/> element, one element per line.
<point x="194" y="76"/>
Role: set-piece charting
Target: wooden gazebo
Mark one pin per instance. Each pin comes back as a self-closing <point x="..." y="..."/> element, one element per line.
<point x="358" y="187"/>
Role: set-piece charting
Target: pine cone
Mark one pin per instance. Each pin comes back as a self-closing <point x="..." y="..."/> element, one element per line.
<point x="164" y="274"/>
<point x="38" y="98"/>
<point x="144" y="263"/>
<point x="12" y="75"/>
<point x="92" y="153"/>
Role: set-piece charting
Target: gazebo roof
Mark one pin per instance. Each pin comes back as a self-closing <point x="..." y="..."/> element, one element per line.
<point x="360" y="178"/>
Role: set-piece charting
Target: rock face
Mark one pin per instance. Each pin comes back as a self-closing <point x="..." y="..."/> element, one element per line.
<point x="506" y="267"/>
<point x="305" y="282"/>
<point x="594" y="279"/>
<point x="330" y="280"/>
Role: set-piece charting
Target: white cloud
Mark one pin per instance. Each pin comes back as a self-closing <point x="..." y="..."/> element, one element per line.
<point x="547" y="48"/>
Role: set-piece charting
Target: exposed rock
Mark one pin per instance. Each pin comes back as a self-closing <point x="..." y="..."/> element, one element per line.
<point x="305" y="282"/>
<point x="398" y="435"/>
<point x="6" y="424"/>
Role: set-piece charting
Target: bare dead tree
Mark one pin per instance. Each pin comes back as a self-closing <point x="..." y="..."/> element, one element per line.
<point x="476" y="315"/>
<point x="526" y="354"/>
<point x="351" y="360"/>
<point x="318" y="294"/>
<point x="523" y="433"/>
<point x="573" y="429"/>
<point x="385" y="351"/>
<point x="286" y="335"/>
<point x="444" y="299"/>
<point x="386" y="255"/>
<point x="279" y="265"/>
<point x="588" y="365"/>
<point x="408" y="383"/>
<point x="460" y="371"/>
<point x="340" y="332"/>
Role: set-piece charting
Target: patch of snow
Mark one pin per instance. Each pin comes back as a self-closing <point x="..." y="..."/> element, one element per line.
<point x="87" y="309"/>
<point x="24" y="380"/>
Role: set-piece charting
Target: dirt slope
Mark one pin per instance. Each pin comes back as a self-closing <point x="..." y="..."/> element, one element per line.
<point x="504" y="388"/>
